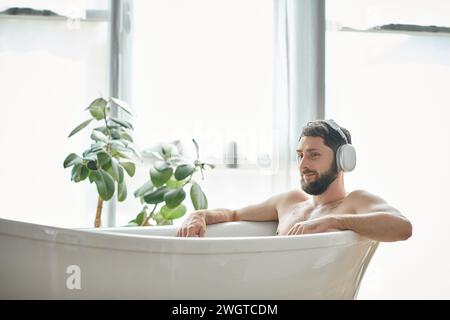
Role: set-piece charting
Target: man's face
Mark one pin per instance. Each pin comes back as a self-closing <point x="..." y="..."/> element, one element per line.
<point x="316" y="164"/>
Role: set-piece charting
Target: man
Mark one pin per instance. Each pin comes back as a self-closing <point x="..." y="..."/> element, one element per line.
<point x="323" y="205"/>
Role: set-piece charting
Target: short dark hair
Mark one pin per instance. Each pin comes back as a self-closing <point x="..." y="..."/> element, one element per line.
<point x="331" y="138"/>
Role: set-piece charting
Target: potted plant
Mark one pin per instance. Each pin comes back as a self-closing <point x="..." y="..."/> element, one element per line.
<point x="168" y="177"/>
<point x="109" y="155"/>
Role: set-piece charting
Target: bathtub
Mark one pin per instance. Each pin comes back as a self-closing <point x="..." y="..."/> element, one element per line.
<point x="235" y="260"/>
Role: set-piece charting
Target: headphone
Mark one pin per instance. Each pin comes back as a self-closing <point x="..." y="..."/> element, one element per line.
<point x="346" y="153"/>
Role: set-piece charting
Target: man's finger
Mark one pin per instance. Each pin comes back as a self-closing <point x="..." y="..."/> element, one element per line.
<point x="201" y="232"/>
<point x="291" y="231"/>
<point x="301" y="230"/>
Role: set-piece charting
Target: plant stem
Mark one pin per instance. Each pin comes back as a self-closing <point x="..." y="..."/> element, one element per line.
<point x="149" y="216"/>
<point x="106" y="124"/>
<point x="98" y="216"/>
<point x="189" y="180"/>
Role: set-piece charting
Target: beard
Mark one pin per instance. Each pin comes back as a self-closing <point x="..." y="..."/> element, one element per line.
<point x="321" y="184"/>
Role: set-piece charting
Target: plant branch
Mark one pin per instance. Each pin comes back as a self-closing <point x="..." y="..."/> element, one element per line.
<point x="98" y="216"/>
<point x="189" y="180"/>
<point x="149" y="216"/>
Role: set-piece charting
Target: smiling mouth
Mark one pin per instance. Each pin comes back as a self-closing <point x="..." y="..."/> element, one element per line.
<point x="309" y="175"/>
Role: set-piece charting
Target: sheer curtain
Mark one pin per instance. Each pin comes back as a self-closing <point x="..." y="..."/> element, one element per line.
<point x="299" y="80"/>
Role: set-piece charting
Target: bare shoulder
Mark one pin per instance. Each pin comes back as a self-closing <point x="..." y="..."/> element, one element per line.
<point x="292" y="196"/>
<point x="363" y="201"/>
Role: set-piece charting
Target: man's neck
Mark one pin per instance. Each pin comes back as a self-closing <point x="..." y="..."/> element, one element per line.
<point x="334" y="193"/>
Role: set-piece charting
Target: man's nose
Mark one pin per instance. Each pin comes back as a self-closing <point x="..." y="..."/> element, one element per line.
<point x="302" y="163"/>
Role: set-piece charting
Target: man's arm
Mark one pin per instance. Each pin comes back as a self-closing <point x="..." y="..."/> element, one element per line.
<point x="264" y="211"/>
<point x="372" y="218"/>
<point x="195" y="223"/>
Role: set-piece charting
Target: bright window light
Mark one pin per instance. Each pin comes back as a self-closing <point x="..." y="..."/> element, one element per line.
<point x="203" y="69"/>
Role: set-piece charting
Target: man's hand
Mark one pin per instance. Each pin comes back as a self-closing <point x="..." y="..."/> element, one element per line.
<point x="193" y="225"/>
<point x="318" y="225"/>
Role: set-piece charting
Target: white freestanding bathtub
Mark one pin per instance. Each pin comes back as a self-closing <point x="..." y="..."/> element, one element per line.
<point x="235" y="260"/>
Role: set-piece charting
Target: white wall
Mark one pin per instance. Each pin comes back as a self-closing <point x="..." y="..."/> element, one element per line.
<point x="391" y="92"/>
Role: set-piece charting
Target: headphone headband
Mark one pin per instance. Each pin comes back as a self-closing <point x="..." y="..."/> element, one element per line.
<point x="336" y="128"/>
<point x="345" y="154"/>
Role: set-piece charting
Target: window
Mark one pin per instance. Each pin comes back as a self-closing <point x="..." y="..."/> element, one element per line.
<point x="50" y="68"/>
<point x="204" y="69"/>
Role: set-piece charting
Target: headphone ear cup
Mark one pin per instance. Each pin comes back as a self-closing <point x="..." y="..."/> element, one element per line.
<point x="346" y="158"/>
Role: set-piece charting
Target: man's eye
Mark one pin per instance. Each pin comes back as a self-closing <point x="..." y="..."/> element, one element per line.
<point x="315" y="154"/>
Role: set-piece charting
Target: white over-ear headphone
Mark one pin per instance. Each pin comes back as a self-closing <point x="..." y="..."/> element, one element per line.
<point x="345" y="154"/>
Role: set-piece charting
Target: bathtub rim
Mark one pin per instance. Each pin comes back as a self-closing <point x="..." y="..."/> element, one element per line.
<point x="103" y="239"/>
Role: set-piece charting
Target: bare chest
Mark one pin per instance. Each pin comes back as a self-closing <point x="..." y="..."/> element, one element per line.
<point x="290" y="214"/>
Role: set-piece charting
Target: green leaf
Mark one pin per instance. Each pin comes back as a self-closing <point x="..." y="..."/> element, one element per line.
<point x="140" y="218"/>
<point x="129" y="167"/>
<point x="161" y="165"/>
<point x="158" y="178"/>
<point x="121" y="174"/>
<point x="174" y="213"/>
<point x="119" y="154"/>
<point x="174" y="197"/>
<point x="105" y="184"/>
<point x="98" y="136"/>
<point x="103" y="158"/>
<point x="144" y="189"/>
<point x="91" y="176"/>
<point x="97" y="108"/>
<point x="117" y="146"/>
<point x="89" y="156"/>
<point x="122" y="123"/>
<point x="126" y="136"/>
<point x="102" y="129"/>
<point x="121" y="191"/>
<point x="157" y="155"/>
<point x="122" y="105"/>
<point x="198" y="198"/>
<point x="160" y="220"/>
<point x="156" y="196"/>
<point x="174" y="183"/>
<point x="135" y="152"/>
<point x="107" y="167"/>
<point x="115" y="134"/>
<point x="114" y="170"/>
<point x="92" y="165"/>
<point x="109" y="184"/>
<point x="183" y="171"/>
<point x="168" y="150"/>
<point x="72" y="159"/>
<point x="96" y="147"/>
<point x="83" y="173"/>
<point x="80" y="127"/>
<point x="76" y="170"/>
<point x="79" y="173"/>
<point x="117" y="143"/>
